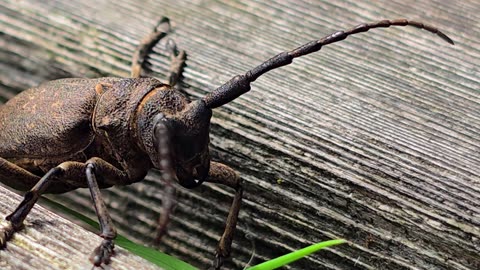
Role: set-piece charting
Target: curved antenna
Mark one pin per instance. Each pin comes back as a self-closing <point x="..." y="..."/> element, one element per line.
<point x="240" y="84"/>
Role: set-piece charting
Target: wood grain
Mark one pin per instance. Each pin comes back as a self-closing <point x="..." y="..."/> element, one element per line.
<point x="374" y="139"/>
<point x="51" y="242"/>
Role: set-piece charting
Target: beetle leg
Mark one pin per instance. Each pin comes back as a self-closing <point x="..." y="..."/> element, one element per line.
<point x="140" y="56"/>
<point x="111" y="176"/>
<point x="224" y="175"/>
<point x="16" y="177"/>
<point x="65" y="171"/>
<point x="101" y="254"/>
<point x="15" y="219"/>
<point x="177" y="63"/>
<point x="140" y="63"/>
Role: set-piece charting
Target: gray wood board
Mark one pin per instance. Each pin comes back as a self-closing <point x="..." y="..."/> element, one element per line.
<point x="50" y="242"/>
<point x="374" y="139"/>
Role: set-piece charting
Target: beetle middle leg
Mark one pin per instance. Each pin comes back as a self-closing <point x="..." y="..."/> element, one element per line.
<point x="93" y="167"/>
<point x="102" y="253"/>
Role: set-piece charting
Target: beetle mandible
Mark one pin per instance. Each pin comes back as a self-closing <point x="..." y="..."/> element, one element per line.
<point x="103" y="132"/>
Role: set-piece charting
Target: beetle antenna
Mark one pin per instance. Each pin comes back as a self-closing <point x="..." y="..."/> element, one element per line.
<point x="240" y="84"/>
<point x="162" y="140"/>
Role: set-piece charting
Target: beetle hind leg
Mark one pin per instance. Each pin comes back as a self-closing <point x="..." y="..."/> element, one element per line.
<point x="15" y="219"/>
<point x="177" y="63"/>
<point x="140" y="59"/>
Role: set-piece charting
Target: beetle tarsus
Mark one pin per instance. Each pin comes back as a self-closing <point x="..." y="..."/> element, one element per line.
<point x="6" y="232"/>
<point x="218" y="261"/>
<point x="178" y="58"/>
<point x="103" y="253"/>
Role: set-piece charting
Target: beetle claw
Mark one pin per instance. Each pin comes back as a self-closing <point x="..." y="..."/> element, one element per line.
<point x="103" y="253"/>
<point x="6" y="232"/>
<point x="218" y="261"/>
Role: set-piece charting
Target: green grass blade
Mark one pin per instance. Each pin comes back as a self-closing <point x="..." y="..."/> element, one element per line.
<point x="154" y="256"/>
<point x="293" y="256"/>
<point x="163" y="260"/>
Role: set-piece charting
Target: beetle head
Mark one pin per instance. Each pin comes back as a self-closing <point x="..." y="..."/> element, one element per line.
<point x="181" y="142"/>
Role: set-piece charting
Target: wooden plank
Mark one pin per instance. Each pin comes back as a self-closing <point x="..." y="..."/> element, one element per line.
<point x="375" y="139"/>
<point x="51" y="242"/>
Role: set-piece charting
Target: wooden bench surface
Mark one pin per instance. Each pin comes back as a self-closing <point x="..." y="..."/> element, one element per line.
<point x="374" y="139"/>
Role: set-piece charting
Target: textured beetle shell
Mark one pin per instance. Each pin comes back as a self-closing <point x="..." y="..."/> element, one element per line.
<point x="78" y="119"/>
<point x="114" y="123"/>
<point x="51" y="120"/>
<point x="53" y="123"/>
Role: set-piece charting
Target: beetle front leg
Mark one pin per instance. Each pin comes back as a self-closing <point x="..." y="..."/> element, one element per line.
<point x="224" y="175"/>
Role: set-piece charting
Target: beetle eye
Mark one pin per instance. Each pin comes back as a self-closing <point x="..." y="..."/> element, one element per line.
<point x="189" y="148"/>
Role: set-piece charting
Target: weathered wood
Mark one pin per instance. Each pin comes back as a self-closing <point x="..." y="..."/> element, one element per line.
<point x="374" y="139"/>
<point x="52" y="242"/>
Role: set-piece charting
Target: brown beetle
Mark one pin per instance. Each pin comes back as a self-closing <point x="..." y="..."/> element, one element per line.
<point x="97" y="133"/>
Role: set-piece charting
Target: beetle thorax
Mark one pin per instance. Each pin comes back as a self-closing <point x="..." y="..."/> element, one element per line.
<point x="188" y="129"/>
<point x="164" y="100"/>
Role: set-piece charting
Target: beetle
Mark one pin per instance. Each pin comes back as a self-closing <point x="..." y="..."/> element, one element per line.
<point x="97" y="133"/>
